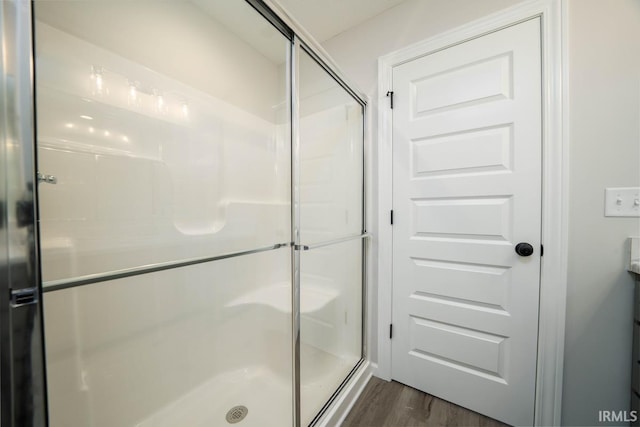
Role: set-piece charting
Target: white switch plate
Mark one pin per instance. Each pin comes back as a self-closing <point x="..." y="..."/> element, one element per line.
<point x="622" y="202"/>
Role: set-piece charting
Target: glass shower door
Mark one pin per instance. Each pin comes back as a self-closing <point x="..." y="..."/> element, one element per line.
<point x="331" y="234"/>
<point x="164" y="156"/>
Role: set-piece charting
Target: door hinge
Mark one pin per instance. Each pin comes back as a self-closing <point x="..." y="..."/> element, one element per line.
<point x="391" y="331"/>
<point x="391" y="215"/>
<point x="541" y="250"/>
<point x="20" y="297"/>
<point x="390" y="95"/>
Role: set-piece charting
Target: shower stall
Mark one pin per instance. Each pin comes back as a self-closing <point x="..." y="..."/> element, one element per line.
<point x="191" y="247"/>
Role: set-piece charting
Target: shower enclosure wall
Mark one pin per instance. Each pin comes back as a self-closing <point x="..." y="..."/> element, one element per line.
<point x="201" y="215"/>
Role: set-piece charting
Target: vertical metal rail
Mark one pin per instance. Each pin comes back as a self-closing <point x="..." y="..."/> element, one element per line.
<point x="365" y="242"/>
<point x="295" y="223"/>
<point x="22" y="370"/>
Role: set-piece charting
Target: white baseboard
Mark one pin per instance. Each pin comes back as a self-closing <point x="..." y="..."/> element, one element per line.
<point x="374" y="369"/>
<point x="337" y="412"/>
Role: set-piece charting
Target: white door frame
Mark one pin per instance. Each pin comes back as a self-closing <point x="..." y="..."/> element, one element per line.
<point x="553" y="275"/>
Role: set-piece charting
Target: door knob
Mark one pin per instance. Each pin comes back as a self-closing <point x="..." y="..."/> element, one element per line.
<point x="524" y="249"/>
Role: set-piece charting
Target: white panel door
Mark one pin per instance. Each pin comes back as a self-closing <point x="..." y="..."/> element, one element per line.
<point x="466" y="189"/>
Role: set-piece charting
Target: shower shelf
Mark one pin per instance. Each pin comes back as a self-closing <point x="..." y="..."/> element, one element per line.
<point x="312" y="298"/>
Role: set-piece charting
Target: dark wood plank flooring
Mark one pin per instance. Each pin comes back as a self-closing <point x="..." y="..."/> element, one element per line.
<point x="391" y="404"/>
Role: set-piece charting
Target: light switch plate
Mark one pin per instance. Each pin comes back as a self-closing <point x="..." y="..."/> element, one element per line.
<point x="622" y="202"/>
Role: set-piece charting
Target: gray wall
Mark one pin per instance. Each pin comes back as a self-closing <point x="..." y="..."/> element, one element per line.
<point x="604" y="124"/>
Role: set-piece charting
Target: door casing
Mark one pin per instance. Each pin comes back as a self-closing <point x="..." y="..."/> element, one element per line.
<point x="554" y="189"/>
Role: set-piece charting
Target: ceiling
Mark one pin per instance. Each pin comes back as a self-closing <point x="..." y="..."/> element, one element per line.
<point x="327" y="18"/>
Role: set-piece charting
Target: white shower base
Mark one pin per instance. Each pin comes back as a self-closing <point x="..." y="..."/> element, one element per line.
<point x="262" y="391"/>
<point x="265" y="393"/>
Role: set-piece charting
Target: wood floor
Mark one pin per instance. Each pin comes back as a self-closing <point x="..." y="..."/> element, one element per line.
<point x="391" y="404"/>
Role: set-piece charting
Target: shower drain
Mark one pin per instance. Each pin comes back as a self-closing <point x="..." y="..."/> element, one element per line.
<point x="237" y="414"/>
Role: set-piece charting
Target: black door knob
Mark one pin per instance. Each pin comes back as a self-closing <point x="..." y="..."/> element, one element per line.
<point x="524" y="249"/>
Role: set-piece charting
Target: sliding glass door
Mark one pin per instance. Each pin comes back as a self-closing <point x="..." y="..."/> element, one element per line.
<point x="164" y="147"/>
<point x="331" y="234"/>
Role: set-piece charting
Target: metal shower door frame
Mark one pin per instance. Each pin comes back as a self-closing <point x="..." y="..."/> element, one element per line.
<point x="22" y="366"/>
